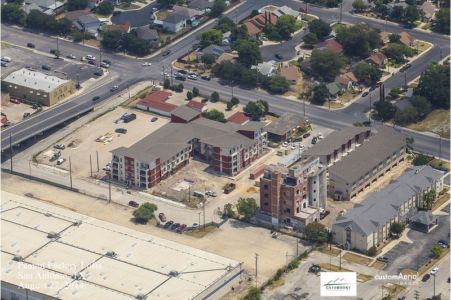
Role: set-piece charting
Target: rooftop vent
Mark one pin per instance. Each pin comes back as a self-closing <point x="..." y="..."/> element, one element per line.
<point x="53" y="235"/>
<point x="78" y="223"/>
<point x="77" y="276"/>
<point x="174" y="273"/>
<point x="111" y="254"/>
<point x="141" y="297"/>
<point x="48" y="214"/>
<point x="17" y="258"/>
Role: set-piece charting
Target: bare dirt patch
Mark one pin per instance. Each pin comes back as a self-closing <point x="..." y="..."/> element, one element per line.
<point x="358" y="259"/>
<point x="437" y="122"/>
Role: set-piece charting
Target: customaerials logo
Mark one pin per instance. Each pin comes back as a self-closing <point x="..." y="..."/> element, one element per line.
<point x="338" y="284"/>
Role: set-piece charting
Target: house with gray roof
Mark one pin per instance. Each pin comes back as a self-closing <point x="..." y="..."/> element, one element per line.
<point x="285" y="126"/>
<point x="369" y="162"/>
<point x="368" y="223"/>
<point x="201" y="5"/>
<point x="151" y="35"/>
<point x="174" y="22"/>
<point x="334" y="89"/>
<point x="88" y="23"/>
<point x="266" y="68"/>
<point x="49" y="7"/>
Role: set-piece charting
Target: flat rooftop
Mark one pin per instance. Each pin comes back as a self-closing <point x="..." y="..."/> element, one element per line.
<point x="34" y="80"/>
<point x="91" y="259"/>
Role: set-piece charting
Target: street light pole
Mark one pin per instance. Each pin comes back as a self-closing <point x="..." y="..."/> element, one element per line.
<point x="369" y="114"/>
<point x="341" y="12"/>
<point x="70" y="172"/>
<point x="11" y="152"/>
<point x="256" y="269"/>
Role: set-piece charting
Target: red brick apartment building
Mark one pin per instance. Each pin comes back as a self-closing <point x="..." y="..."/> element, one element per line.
<point x="228" y="148"/>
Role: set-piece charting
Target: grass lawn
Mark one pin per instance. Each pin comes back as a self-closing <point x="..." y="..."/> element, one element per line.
<point x="439" y="202"/>
<point x="201" y="232"/>
<point x="393" y="289"/>
<point x="334" y="268"/>
<point x="439" y="164"/>
<point x="298" y="25"/>
<point x="358" y="259"/>
<point x="126" y="6"/>
<point x="437" y="121"/>
<point x="427" y="26"/>
<point x="422" y="46"/>
<point x="326" y="250"/>
<point x="378" y="265"/>
<point x="347" y="96"/>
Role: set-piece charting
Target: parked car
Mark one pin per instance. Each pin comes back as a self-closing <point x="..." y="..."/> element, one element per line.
<point x="95" y="98"/>
<point x="314" y="269"/>
<point x="405" y="67"/>
<point x="205" y="77"/>
<point x="121" y="130"/>
<point x="4" y="64"/>
<point x="60" y="161"/>
<point x="92" y="62"/>
<point x="444" y="243"/>
<point x="434" y="271"/>
<point x="98" y="72"/>
<point x="46" y="67"/>
<point x="114" y="88"/>
<point x="229" y="187"/>
<point x="166" y="52"/>
<point x="107" y="61"/>
<point x="378" y="84"/>
<point x="35" y="106"/>
<point x="31" y="45"/>
<point x="365" y="94"/>
<point x="195" y="225"/>
<point x="71" y="56"/>
<point x="284" y="144"/>
<point x="133" y="203"/>
<point x="180" y="77"/>
<point x="383" y="259"/>
<point x="26" y="115"/>
<point x="59" y="147"/>
<point x="146" y="64"/>
<point x="162" y="217"/>
<point x="153" y="119"/>
<point x="184" y="72"/>
<point x="278" y="56"/>
<point x="314" y="140"/>
<point x="306" y="135"/>
<point x="192" y="77"/>
<point x="211" y="193"/>
<point x="175" y="226"/>
<point x="320" y="136"/>
<point x="402" y="298"/>
<point x="181" y="228"/>
<point x="426" y="277"/>
<point x="104" y="65"/>
<point x="168" y="224"/>
<point x="6" y="59"/>
<point x="90" y="57"/>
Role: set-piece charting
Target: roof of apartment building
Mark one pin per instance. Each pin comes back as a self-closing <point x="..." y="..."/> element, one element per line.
<point x="186" y="113"/>
<point x="334" y="140"/>
<point x="238" y="118"/>
<point x="252" y="126"/>
<point x="172" y="138"/>
<point x="369" y="155"/>
<point x="285" y="123"/>
<point x="34" y="80"/>
<point x="381" y="206"/>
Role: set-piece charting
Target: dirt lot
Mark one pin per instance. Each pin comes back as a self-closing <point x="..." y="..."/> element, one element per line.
<point x="437" y="122"/>
<point x="234" y="239"/>
<point x="82" y="143"/>
<point x="14" y="112"/>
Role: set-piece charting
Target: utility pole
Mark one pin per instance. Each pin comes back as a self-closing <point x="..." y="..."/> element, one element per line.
<point x="297" y="247"/>
<point x="341" y="12"/>
<point x="29" y="166"/>
<point x="440" y="146"/>
<point x="340" y="258"/>
<point x="434" y="284"/>
<point x="90" y="163"/>
<point x="97" y="154"/>
<point x="199" y="218"/>
<point x="171" y="76"/>
<point x="256" y="269"/>
<point x="11" y="152"/>
<point x="109" y="187"/>
<point x="203" y="208"/>
<point x="100" y="56"/>
<point x="369" y="114"/>
<point x="70" y="172"/>
<point x="164" y="77"/>
<point x="405" y="79"/>
<point x="57" y="46"/>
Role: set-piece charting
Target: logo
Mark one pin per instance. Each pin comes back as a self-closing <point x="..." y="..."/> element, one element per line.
<point x="338" y="284"/>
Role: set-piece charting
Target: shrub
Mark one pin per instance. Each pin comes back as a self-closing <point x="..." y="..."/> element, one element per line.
<point x="372" y="251"/>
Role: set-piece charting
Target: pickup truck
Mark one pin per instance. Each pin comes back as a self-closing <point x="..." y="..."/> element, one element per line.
<point x="229" y="187"/>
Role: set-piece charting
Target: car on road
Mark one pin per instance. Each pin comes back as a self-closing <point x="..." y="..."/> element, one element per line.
<point x="383" y="259"/>
<point x="90" y="57"/>
<point x="426" y="277"/>
<point x="434" y="271"/>
<point x="121" y="130"/>
<point x="60" y="161"/>
<point x="133" y="203"/>
<point x="146" y="64"/>
<point x="320" y="135"/>
<point x="92" y="62"/>
<point x="402" y="298"/>
<point x="98" y="72"/>
<point x="35" y="106"/>
<point x="278" y="56"/>
<point x="107" y="61"/>
<point x="192" y="77"/>
<point x="104" y="65"/>
<point x="59" y="147"/>
<point x="365" y="94"/>
<point x="204" y="77"/>
<point x="443" y="243"/>
<point x="46" y="67"/>
<point x="166" y="53"/>
<point x="181" y="228"/>
<point x="114" y="88"/>
<point x="378" y="84"/>
<point x="162" y="217"/>
<point x="314" y="269"/>
<point x="306" y="135"/>
<point x="6" y="59"/>
<point x="168" y="224"/>
<point x="314" y="140"/>
<point x="184" y="72"/>
<point x="31" y="45"/>
<point x="405" y="67"/>
<point x="95" y="98"/>
<point x="211" y="194"/>
<point x="180" y="77"/>
<point x="154" y="119"/>
<point x="71" y="56"/>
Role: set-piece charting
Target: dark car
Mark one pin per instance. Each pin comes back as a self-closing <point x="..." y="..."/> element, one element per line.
<point x="299" y="139"/>
<point x="153" y="119"/>
<point x="26" y="115"/>
<point x="306" y="135"/>
<point x="175" y="226"/>
<point x="121" y="130"/>
<point x="449" y="279"/>
<point x="365" y="94"/>
<point x="182" y="72"/>
<point x="426" y="278"/>
<point x="314" y="140"/>
<point x="402" y="298"/>
<point x="444" y="242"/>
<point x="278" y="56"/>
<point x="30" y="45"/>
<point x="46" y="67"/>
<point x="405" y="67"/>
<point x="166" y="53"/>
<point x="181" y="228"/>
<point x="133" y="203"/>
<point x="378" y="84"/>
<point x="314" y="269"/>
<point x="92" y="62"/>
<point x="107" y="61"/>
<point x="162" y="217"/>
<point x="180" y="77"/>
<point x="168" y="224"/>
<point x="383" y="259"/>
<point x="4" y="64"/>
<point x="95" y="98"/>
<point x="205" y="77"/>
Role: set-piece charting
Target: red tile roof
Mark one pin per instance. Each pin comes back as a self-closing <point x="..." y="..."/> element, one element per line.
<point x="238" y="118"/>
<point x="195" y="105"/>
<point x="332" y="45"/>
<point x="159" y="96"/>
<point x="256" y="24"/>
<point x="290" y="73"/>
<point x="163" y="106"/>
<point x="75" y="14"/>
<point x="124" y="27"/>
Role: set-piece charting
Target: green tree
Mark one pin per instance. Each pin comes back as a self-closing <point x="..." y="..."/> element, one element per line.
<point x="254" y="293"/>
<point x="326" y="65"/>
<point x="166" y="84"/>
<point x="320" y="28"/>
<point x="234" y="101"/>
<point x="358" y="40"/>
<point x="422" y="105"/>
<point x="145" y="212"/>
<point x="76" y="4"/>
<point x="384" y="111"/>
<point x="225" y="24"/>
<point x="13" y="13"/>
<point x="358" y="5"/>
<point x="189" y="95"/>
<point x="229" y="106"/>
<point x="397" y="52"/>
<point x="437" y="297"/>
<point x="239" y="33"/>
<point x="320" y="93"/>
<point x="395" y="93"/>
<point x="381" y="9"/>
<point x="411" y="14"/>
<point x="214" y="97"/>
<point x="254" y="12"/>
<point x="215" y="115"/>
<point x="436" y="251"/>
<point x="276" y="84"/>
<point x="63" y="26"/>
<point x="434" y="84"/>
<point x="195" y="92"/>
<point x="310" y="39"/>
<point x="285" y="26"/>
<point x="442" y="21"/>
<point x="19" y="2"/>
<point x="209" y="37"/>
<point x="247" y="207"/>
<point x="397" y="228"/>
<point x="255" y="110"/>
<point x="248" y="52"/>
<point x="367" y="74"/>
<point x="218" y="8"/>
<point x="208" y="59"/>
<point x="316" y="232"/>
<point x="398" y="13"/>
<point x="421" y="160"/>
<point x="372" y="251"/>
<point x="112" y="40"/>
<point x="135" y="45"/>
<point x="167" y="3"/>
<point x="429" y="198"/>
<point x="105" y="8"/>
<point x="229" y="212"/>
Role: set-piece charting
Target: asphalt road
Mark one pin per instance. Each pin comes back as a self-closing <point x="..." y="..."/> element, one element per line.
<point x="286" y="48"/>
<point x="127" y="70"/>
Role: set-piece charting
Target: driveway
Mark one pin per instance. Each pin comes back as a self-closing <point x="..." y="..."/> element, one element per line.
<point x="286" y="49"/>
<point x="410" y="255"/>
<point x="137" y="17"/>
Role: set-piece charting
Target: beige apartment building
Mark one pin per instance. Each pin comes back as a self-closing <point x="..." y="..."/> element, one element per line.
<point x="37" y="87"/>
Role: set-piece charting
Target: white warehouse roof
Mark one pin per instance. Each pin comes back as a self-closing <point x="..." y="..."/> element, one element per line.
<point x="34" y="80"/>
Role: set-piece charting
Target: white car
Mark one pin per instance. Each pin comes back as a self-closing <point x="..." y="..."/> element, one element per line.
<point x="434" y="271"/>
<point x="320" y="136"/>
<point x="301" y="146"/>
<point x="293" y="147"/>
<point x="165" y="74"/>
<point x="147" y="64"/>
<point x="285" y="144"/>
<point x="90" y="57"/>
<point x="6" y="59"/>
<point x="192" y="77"/>
<point x="71" y="56"/>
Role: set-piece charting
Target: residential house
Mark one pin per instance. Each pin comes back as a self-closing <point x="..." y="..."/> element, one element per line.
<point x="151" y="35"/>
<point x="201" y="5"/>
<point x="256" y="24"/>
<point x="88" y="23"/>
<point x="228" y="148"/>
<point x="368" y="223"/>
<point x="94" y="3"/>
<point x="290" y="73"/>
<point x="286" y="10"/>
<point x="369" y="162"/>
<point x="407" y="39"/>
<point x="331" y="44"/>
<point x="266" y="68"/>
<point x="214" y="50"/>
<point x="285" y="127"/>
<point x="75" y="14"/>
<point x="174" y="22"/>
<point x="49" y="7"/>
<point x="347" y="80"/>
<point x="391" y="6"/>
<point x="196" y="105"/>
<point x="377" y="59"/>
<point x="334" y="89"/>
<point x="429" y="9"/>
<point x="227" y="57"/>
<point x="385" y="37"/>
<point x="123" y="27"/>
<point x="295" y="195"/>
<point x="238" y="118"/>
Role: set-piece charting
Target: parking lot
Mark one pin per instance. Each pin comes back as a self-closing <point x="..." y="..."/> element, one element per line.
<point x="64" y="68"/>
<point x="412" y="255"/>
